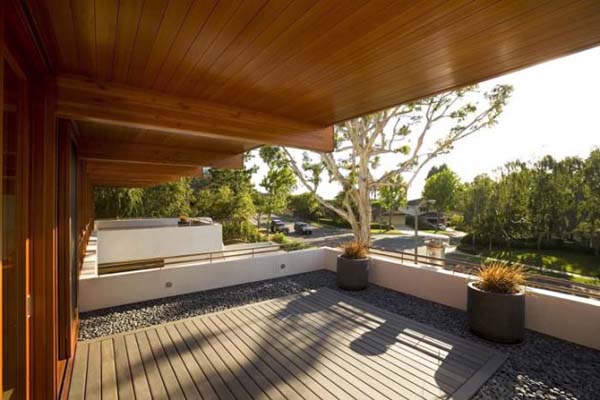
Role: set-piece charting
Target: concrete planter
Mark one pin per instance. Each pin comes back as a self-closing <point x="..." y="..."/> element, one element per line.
<point x="352" y="274"/>
<point x="496" y="316"/>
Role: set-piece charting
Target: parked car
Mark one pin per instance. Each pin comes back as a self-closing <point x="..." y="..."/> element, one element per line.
<point x="278" y="225"/>
<point x="303" y="228"/>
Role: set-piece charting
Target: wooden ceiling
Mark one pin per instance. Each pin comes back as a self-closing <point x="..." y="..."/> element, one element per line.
<point x="249" y="72"/>
<point x="315" y="61"/>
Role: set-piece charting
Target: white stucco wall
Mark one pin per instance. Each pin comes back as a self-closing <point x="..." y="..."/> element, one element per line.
<point x="567" y="317"/>
<point x="563" y="316"/>
<point x="130" y="287"/>
<point x="116" y="245"/>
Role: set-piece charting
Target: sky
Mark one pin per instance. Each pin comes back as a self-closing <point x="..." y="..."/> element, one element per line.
<point x="554" y="109"/>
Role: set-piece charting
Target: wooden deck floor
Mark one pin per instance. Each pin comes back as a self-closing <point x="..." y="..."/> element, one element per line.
<point x="317" y="345"/>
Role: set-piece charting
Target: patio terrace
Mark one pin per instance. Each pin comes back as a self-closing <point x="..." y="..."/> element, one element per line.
<point x="540" y="367"/>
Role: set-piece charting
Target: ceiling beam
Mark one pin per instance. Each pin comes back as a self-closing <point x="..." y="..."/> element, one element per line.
<point x="128" y="183"/>
<point x="87" y="100"/>
<point x="157" y="154"/>
<point x="96" y="168"/>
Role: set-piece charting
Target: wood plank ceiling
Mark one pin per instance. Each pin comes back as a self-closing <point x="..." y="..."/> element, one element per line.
<point x="312" y="62"/>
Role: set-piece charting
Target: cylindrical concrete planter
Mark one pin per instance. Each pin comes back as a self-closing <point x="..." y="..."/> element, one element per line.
<point x="496" y="316"/>
<point x="352" y="274"/>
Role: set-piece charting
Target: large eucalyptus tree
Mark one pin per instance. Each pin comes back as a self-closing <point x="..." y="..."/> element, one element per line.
<point x="372" y="150"/>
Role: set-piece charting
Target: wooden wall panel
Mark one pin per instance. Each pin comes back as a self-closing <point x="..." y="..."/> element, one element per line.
<point x="64" y="188"/>
<point x="44" y="374"/>
<point x="2" y="51"/>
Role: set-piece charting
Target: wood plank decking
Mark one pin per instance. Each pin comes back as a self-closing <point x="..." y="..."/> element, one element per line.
<point x="316" y="345"/>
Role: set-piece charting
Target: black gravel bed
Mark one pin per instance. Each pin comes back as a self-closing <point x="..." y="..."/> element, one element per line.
<point x="541" y="367"/>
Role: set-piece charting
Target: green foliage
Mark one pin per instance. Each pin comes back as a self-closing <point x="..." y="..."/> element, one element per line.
<point x="547" y="203"/>
<point x="305" y="206"/>
<point x="436" y="169"/>
<point x="443" y="187"/>
<point x="118" y="202"/>
<point x="392" y="196"/>
<point x="168" y="200"/>
<point x="278" y="182"/>
<point x="287" y="243"/>
<point x="224" y="195"/>
<point x="227" y="196"/>
<point x="241" y="230"/>
<point x="455" y="219"/>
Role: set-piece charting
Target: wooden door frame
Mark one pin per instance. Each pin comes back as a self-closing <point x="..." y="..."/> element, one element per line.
<point x="22" y="191"/>
<point x="21" y="42"/>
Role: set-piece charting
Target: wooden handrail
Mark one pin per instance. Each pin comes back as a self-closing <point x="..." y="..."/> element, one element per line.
<point x="161" y="262"/>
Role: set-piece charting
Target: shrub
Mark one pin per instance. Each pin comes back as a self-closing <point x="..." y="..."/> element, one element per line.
<point x="288" y="244"/>
<point x="294" y="245"/>
<point x="355" y="250"/>
<point x="500" y="277"/>
<point x="241" y="230"/>
<point x="280" y="238"/>
<point x="455" y="220"/>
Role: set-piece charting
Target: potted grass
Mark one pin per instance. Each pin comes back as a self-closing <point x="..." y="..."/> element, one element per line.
<point x="184" y="220"/>
<point x="353" y="267"/>
<point x="496" y="303"/>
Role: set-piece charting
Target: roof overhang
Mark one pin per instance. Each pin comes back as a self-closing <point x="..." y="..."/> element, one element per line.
<point x="280" y="72"/>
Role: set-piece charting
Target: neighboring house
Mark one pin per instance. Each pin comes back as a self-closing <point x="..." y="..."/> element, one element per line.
<point x="412" y="206"/>
<point x="398" y="218"/>
<point x="429" y="218"/>
<point x="383" y="216"/>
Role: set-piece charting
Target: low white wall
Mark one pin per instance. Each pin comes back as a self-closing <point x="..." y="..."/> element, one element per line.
<point x="131" y="287"/>
<point x="563" y="316"/>
<point x="134" y="223"/>
<point x="566" y="317"/>
<point x="116" y="245"/>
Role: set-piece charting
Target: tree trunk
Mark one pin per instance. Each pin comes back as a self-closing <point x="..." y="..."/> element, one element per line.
<point x="539" y="241"/>
<point x="390" y="220"/>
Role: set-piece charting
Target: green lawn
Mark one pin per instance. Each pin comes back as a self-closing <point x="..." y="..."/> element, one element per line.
<point x="553" y="260"/>
<point x="559" y="260"/>
<point x="387" y="232"/>
<point x="447" y="233"/>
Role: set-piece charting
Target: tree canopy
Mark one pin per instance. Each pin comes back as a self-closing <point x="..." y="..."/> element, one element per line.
<point x="547" y="201"/>
<point x="404" y="137"/>
<point x="443" y="187"/>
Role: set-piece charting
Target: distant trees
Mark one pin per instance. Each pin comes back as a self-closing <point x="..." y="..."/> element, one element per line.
<point x="443" y="187"/>
<point x="548" y="201"/>
<point x="436" y="169"/>
<point x="305" y="205"/>
<point x="168" y="200"/>
<point x="224" y="195"/>
<point x="589" y="223"/>
<point x="393" y="196"/>
<point x="278" y="182"/>
<point x="227" y="196"/>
